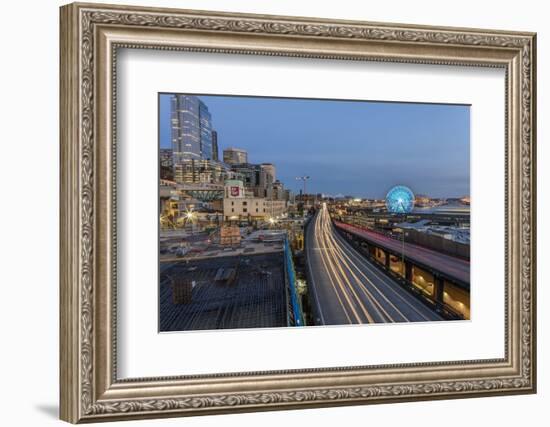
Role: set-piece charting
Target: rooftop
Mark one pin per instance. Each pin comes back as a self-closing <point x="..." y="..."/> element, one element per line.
<point x="456" y="234"/>
<point x="255" y="299"/>
<point x="242" y="150"/>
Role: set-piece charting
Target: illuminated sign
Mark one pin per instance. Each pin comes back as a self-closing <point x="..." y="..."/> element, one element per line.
<point x="235" y="191"/>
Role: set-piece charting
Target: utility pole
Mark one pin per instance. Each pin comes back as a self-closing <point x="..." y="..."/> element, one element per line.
<point x="403" y="253"/>
<point x="403" y="241"/>
<point x="272" y="202"/>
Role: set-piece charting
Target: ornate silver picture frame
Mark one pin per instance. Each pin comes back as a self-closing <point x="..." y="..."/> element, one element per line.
<point x="91" y="37"/>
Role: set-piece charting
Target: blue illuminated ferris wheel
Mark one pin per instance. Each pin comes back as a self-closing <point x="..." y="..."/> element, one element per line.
<point x="400" y="199"/>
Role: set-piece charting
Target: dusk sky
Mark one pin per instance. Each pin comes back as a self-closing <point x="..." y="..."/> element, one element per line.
<point x="346" y="147"/>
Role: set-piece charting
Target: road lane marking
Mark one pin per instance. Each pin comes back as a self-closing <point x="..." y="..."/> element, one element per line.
<point x="343" y="253"/>
<point x="326" y="235"/>
<point x="385" y="280"/>
<point x="341" y="278"/>
<point x="315" y="292"/>
<point x="316" y="238"/>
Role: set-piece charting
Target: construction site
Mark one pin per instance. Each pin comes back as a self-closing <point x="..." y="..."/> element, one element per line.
<point x="231" y="292"/>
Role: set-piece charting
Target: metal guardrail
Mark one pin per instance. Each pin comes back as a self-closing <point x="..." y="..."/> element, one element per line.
<point x="441" y="308"/>
<point x="291" y="274"/>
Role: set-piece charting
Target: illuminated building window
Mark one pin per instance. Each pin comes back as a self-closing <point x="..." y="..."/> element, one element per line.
<point x="380" y="256"/>
<point x="457" y="299"/>
<point x="423" y="281"/>
<point x="396" y="265"/>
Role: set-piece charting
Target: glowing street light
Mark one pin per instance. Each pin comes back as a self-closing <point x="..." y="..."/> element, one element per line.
<point x="303" y="179"/>
<point x="190" y="216"/>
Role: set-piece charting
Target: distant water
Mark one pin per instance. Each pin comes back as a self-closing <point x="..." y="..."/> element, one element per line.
<point x="456" y="208"/>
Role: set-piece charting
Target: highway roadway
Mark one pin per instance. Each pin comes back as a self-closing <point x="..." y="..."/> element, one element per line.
<point x="452" y="266"/>
<point x="346" y="288"/>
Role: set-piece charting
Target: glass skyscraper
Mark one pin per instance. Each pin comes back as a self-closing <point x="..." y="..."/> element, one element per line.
<point x="205" y="124"/>
<point x="215" y="150"/>
<point x="191" y="124"/>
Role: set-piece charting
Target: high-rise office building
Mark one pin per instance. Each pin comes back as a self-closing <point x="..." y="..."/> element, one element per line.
<point x="234" y="156"/>
<point x="269" y="168"/>
<point x="206" y="131"/>
<point x="200" y="171"/>
<point x="215" y="149"/>
<point x="191" y="134"/>
<point x="166" y="157"/>
<point x="255" y="177"/>
<point x="276" y="191"/>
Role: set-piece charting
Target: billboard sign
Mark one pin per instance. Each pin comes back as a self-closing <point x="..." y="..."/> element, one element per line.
<point x="235" y="191"/>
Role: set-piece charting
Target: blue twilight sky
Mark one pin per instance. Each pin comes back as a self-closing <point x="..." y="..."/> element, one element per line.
<point x="354" y="148"/>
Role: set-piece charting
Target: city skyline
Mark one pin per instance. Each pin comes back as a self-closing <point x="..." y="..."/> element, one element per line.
<point x="358" y="148"/>
<point x="239" y="248"/>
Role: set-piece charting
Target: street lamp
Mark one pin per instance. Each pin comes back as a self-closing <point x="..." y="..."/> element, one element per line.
<point x="403" y="254"/>
<point x="190" y="216"/>
<point x="401" y="203"/>
<point x="303" y="179"/>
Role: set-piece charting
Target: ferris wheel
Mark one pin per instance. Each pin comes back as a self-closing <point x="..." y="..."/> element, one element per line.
<point x="400" y="199"/>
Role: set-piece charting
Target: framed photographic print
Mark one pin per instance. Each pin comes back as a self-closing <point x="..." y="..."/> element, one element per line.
<point x="265" y="212"/>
